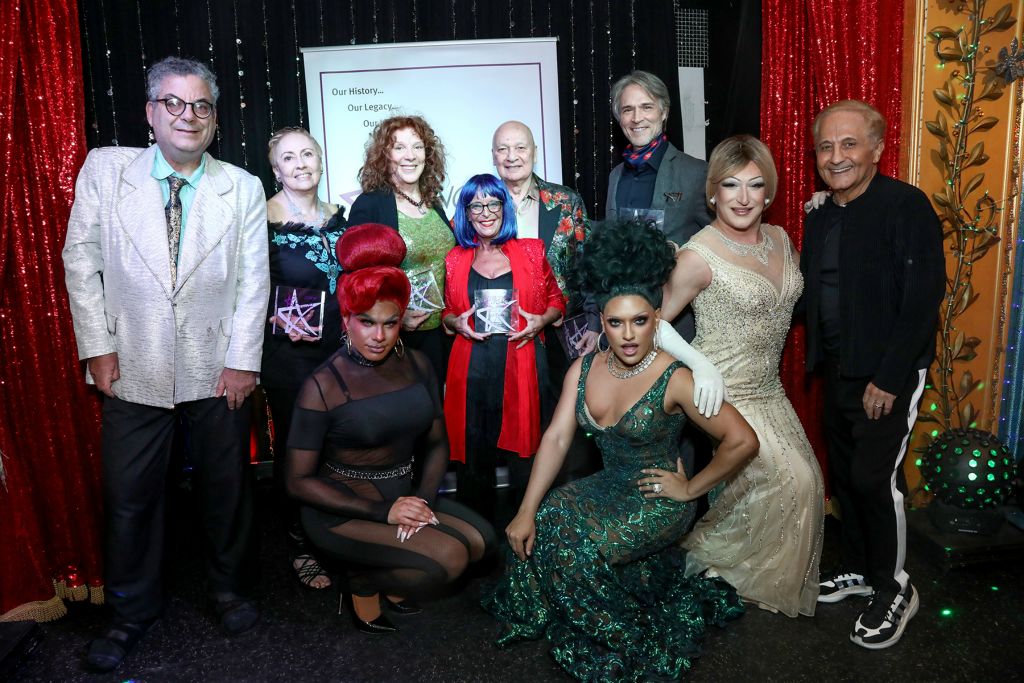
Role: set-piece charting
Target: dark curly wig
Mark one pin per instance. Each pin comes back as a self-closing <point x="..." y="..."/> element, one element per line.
<point x="625" y="257"/>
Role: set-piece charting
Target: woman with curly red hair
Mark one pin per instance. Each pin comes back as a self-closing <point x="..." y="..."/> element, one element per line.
<point x="368" y="410"/>
<point x="401" y="181"/>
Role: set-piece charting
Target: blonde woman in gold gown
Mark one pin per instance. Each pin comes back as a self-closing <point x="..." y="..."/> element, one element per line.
<point x="763" y="531"/>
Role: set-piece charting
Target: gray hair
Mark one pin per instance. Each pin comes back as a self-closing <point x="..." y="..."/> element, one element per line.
<point x="654" y="86"/>
<point x="873" y="119"/>
<point x="177" y="66"/>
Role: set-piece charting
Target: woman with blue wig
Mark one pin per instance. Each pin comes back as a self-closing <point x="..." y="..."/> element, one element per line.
<point x="496" y="383"/>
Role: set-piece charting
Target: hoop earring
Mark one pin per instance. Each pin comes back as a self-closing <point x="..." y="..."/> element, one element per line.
<point x="348" y="343"/>
<point x="608" y="344"/>
<point x="400" y="349"/>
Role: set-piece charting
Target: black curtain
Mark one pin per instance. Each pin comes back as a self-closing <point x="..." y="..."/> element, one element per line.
<point x="250" y="43"/>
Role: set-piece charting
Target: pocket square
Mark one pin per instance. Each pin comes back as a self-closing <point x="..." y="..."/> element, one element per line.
<point x="673" y="196"/>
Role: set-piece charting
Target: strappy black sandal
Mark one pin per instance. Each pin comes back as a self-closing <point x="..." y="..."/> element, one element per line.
<point x="308" y="570"/>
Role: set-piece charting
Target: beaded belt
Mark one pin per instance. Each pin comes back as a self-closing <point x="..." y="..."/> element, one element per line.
<point x="395" y="473"/>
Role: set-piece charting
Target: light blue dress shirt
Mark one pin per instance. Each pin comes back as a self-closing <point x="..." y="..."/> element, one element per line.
<point x="162" y="171"/>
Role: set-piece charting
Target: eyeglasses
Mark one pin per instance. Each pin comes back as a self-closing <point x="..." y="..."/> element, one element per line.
<point x="176" y="107"/>
<point x="476" y="208"/>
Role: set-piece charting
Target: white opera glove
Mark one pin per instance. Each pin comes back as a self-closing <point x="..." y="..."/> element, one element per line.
<point x="708" y="385"/>
<point x="816" y="201"/>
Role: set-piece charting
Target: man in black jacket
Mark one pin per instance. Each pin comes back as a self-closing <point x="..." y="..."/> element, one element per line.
<point x="874" y="275"/>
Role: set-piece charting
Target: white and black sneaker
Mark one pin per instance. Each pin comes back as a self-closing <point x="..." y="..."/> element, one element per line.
<point x="882" y="624"/>
<point x="842" y="585"/>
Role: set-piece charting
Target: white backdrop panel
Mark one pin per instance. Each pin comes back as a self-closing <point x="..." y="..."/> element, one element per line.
<point x="464" y="89"/>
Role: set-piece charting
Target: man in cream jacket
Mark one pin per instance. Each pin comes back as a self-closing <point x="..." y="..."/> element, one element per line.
<point x="167" y="274"/>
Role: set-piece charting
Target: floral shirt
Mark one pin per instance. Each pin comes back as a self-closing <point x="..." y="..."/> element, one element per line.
<point x="571" y="231"/>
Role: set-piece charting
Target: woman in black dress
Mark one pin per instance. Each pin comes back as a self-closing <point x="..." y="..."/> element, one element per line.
<point x="369" y="409"/>
<point x="303" y="232"/>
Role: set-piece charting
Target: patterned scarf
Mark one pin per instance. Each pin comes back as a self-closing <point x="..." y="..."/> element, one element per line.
<point x="638" y="157"/>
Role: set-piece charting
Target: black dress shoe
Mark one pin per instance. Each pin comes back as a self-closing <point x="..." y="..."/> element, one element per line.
<point x="236" y="616"/>
<point x="108" y="651"/>
<point x="378" y="626"/>
<point x="405" y="607"/>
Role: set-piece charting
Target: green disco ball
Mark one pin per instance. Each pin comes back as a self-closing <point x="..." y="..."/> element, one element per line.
<point x="969" y="469"/>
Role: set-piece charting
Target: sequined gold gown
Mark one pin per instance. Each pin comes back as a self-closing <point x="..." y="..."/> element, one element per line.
<point x="763" y="532"/>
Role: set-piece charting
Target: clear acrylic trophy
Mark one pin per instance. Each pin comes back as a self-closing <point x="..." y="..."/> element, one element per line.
<point x="570" y="334"/>
<point x="656" y="216"/>
<point x="497" y="311"/>
<point x="424" y="294"/>
<point x="298" y="311"/>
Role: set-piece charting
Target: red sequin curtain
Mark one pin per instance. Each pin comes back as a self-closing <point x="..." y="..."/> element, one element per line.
<point x="815" y="52"/>
<point x="50" y="514"/>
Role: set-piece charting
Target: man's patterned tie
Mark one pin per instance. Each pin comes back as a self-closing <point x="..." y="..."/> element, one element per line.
<point x="173" y="214"/>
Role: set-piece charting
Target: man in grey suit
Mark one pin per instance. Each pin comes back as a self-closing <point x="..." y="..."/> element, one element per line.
<point x="167" y="275"/>
<point x="654" y="174"/>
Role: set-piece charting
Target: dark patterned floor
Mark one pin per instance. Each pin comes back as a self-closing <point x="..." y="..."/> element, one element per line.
<point x="301" y="638"/>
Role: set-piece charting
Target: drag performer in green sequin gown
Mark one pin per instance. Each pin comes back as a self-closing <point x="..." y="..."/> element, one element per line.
<point x="599" y="571"/>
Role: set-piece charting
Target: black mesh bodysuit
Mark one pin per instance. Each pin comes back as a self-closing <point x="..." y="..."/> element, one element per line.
<point x="368" y="422"/>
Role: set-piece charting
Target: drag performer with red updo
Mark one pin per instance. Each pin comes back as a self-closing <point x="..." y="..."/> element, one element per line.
<point x="370" y="408"/>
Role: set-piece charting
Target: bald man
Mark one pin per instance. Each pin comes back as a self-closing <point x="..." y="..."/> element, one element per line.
<point x="553" y="213"/>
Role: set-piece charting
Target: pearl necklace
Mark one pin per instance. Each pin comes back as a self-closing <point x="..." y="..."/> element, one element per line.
<point x="759" y="251"/>
<point x="616" y="370"/>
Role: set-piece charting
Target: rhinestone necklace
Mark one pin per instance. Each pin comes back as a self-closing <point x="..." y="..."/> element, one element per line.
<point x="300" y="214"/>
<point x="618" y="371"/>
<point x="759" y="251"/>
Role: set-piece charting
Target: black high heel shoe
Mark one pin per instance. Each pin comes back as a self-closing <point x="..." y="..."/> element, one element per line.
<point x="378" y="626"/>
<point x="406" y="606"/>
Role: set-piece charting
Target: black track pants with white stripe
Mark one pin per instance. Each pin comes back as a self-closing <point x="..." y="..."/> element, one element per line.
<point x="866" y="474"/>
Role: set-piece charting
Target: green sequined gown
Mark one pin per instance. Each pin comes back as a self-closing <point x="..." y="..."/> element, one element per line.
<point x="605" y="583"/>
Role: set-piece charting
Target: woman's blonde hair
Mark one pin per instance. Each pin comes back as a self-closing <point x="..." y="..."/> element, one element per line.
<point x="731" y="155"/>
<point x="277" y="136"/>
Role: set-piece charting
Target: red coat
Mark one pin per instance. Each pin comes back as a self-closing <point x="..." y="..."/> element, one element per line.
<point x="538" y="291"/>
